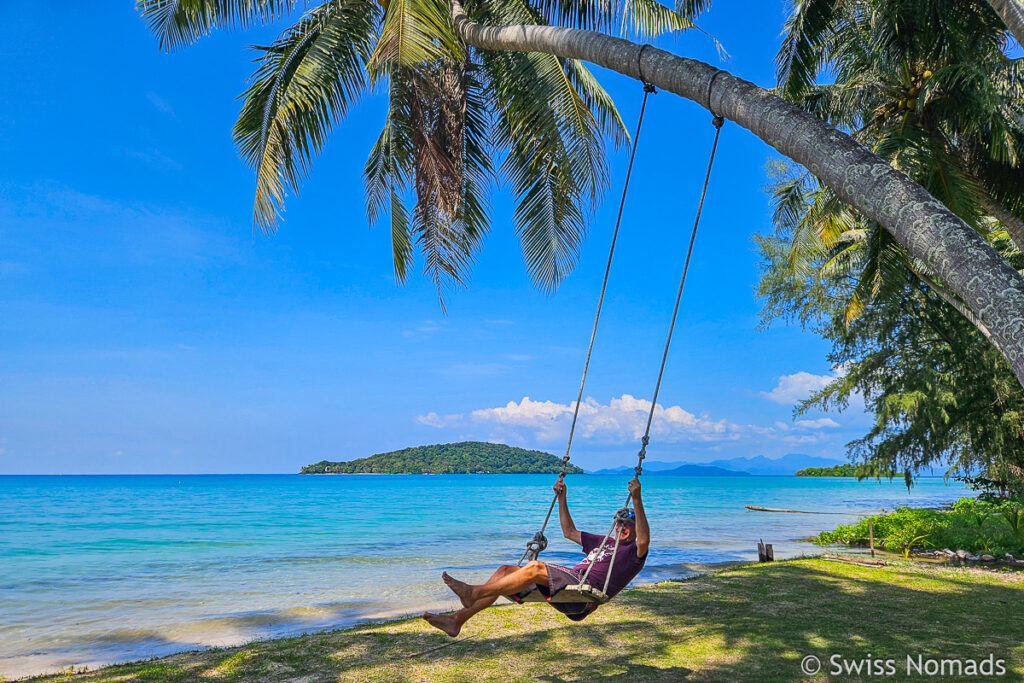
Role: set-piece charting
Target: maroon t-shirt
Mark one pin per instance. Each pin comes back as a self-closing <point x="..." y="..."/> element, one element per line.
<point x="627" y="565"/>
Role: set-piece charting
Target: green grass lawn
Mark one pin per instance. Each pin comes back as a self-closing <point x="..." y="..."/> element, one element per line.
<point x="751" y="623"/>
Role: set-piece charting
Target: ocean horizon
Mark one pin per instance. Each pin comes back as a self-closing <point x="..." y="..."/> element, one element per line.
<point x="96" y="569"/>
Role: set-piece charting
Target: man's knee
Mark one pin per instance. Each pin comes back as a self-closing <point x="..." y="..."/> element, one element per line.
<point x="536" y="568"/>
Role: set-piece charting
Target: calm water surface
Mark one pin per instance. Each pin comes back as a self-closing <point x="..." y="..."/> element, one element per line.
<point x="107" y="568"/>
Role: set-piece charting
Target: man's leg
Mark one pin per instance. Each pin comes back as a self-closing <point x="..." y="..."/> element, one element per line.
<point x="452" y="623"/>
<point x="501" y="583"/>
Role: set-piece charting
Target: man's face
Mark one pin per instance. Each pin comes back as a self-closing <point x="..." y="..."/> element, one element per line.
<point x="628" y="533"/>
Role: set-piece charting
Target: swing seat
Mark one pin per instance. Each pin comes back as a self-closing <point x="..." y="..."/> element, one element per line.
<point x="575" y="593"/>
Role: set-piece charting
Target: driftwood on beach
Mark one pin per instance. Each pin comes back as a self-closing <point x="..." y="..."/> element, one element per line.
<point x="852" y="559"/>
<point x="757" y="508"/>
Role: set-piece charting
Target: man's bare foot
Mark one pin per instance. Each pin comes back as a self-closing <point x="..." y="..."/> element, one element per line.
<point x="445" y="622"/>
<point x="460" y="588"/>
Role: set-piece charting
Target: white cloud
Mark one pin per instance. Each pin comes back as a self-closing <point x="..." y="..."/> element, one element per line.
<point x="791" y="389"/>
<point x="621" y="419"/>
<point x="432" y="419"/>
<point x="803" y="439"/>
<point x="820" y="423"/>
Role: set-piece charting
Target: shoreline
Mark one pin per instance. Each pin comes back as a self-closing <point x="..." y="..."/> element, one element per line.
<point x="308" y="554"/>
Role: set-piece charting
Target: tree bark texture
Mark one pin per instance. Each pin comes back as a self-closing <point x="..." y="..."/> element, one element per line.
<point x="1012" y="13"/>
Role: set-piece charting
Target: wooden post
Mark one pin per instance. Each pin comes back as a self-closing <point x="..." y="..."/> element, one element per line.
<point x="871" y="536"/>
<point x="765" y="552"/>
<point x="760" y="551"/>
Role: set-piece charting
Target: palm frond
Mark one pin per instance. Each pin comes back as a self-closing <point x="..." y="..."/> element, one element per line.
<point x="416" y="32"/>
<point x="177" y="23"/>
<point x="304" y="84"/>
<point x="598" y="101"/>
<point x="645" y="19"/>
<point x="648" y="19"/>
<point x="385" y="176"/>
<point x="435" y="143"/>
<point x="438" y="122"/>
<point x="799" y="57"/>
<point x="555" y="159"/>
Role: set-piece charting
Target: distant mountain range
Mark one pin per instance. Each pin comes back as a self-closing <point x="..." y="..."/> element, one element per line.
<point x="788" y="464"/>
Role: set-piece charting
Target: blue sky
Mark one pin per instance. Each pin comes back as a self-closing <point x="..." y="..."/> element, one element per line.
<point x="145" y="328"/>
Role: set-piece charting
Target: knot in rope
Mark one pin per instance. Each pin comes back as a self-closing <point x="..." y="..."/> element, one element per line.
<point x="643" y="449"/>
<point x="536" y="546"/>
<point x="622" y="516"/>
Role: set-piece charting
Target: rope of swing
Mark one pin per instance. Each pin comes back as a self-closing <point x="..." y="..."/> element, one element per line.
<point x="539" y="541"/>
<point x="623" y="514"/>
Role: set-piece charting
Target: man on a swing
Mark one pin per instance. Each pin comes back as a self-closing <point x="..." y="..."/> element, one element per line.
<point x="549" y="579"/>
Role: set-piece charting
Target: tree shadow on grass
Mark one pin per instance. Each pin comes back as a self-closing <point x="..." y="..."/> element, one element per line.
<point x="772" y="616"/>
<point x="751" y="623"/>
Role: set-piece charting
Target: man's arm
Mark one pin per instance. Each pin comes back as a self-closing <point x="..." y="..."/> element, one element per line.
<point x="569" y="529"/>
<point x="643" y="530"/>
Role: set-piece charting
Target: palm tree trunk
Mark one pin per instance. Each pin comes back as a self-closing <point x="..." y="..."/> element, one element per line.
<point x="958" y="306"/>
<point x="990" y="287"/>
<point x="1012" y="14"/>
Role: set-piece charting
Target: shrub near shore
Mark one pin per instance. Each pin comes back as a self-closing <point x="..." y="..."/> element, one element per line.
<point x="980" y="526"/>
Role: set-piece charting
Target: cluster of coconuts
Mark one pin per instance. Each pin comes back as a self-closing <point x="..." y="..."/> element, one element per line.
<point x="910" y="103"/>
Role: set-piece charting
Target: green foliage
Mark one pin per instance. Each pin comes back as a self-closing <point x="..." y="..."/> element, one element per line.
<point x="456" y="116"/>
<point x="978" y="526"/>
<point x="466" y="457"/>
<point x="845" y="470"/>
<point x="834" y="471"/>
<point x="927" y="86"/>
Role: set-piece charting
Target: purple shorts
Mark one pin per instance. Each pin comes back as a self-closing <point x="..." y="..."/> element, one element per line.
<point x="558" y="578"/>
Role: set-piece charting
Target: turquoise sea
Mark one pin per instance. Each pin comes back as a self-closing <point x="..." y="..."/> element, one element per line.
<point x="98" y="569"/>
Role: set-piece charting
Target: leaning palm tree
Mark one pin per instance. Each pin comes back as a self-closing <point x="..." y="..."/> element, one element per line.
<point x="940" y="101"/>
<point x="508" y="69"/>
<point x="928" y="86"/>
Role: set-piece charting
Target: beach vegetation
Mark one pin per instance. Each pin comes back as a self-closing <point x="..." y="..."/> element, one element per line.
<point x="979" y="526"/>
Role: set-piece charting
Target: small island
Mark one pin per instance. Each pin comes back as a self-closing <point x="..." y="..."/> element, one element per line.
<point x="465" y="457"/>
<point x="834" y="471"/>
<point x="846" y="470"/>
